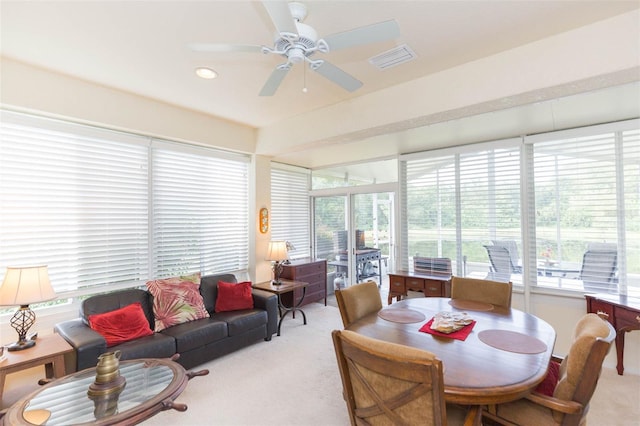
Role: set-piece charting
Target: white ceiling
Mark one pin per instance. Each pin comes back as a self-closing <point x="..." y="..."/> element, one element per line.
<point x="141" y="46"/>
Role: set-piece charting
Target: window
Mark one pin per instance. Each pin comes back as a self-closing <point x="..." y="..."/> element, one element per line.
<point x="290" y="208"/>
<point x="106" y="208"/>
<point x="564" y="206"/>
<point x="585" y="193"/>
<point x="200" y="210"/>
<point x="458" y="201"/>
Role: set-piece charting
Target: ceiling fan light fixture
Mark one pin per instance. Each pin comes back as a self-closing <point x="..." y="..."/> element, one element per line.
<point x="206" y="73"/>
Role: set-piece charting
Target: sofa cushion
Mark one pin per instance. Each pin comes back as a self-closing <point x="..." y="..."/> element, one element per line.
<point x="234" y="296"/>
<point x="176" y="300"/>
<point x="239" y="322"/>
<point x="197" y="334"/>
<point x="121" y="325"/>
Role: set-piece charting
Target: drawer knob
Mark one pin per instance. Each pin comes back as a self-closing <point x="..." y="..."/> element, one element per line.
<point x="602" y="314"/>
<point x="638" y="318"/>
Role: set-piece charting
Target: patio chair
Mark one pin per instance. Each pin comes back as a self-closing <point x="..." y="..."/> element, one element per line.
<point x="567" y="403"/>
<point x="389" y="384"/>
<point x="598" y="271"/>
<point x="357" y="301"/>
<point x="500" y="263"/>
<point x="486" y="291"/>
<point x="514" y="256"/>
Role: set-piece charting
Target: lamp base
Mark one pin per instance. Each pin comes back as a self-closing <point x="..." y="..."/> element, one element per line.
<point x="21" y="344"/>
<point x="274" y="282"/>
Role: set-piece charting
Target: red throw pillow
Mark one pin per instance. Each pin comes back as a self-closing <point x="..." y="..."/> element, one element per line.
<point x="121" y="325"/>
<point x="548" y="385"/>
<point x="234" y="297"/>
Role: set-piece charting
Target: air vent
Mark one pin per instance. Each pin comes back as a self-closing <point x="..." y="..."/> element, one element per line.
<point x="391" y="58"/>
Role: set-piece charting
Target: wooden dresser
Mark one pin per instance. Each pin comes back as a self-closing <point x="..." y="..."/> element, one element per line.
<point x="310" y="271"/>
<point x="623" y="313"/>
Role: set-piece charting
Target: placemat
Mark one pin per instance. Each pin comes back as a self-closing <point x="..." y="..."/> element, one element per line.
<point x="404" y="316"/>
<point x="512" y="341"/>
<point x="470" y="305"/>
<point x="461" y="334"/>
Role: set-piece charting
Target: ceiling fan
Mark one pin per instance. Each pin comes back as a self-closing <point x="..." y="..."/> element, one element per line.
<point x="298" y="42"/>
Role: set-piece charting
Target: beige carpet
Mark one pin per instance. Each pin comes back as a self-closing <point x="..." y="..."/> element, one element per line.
<point x="294" y="380"/>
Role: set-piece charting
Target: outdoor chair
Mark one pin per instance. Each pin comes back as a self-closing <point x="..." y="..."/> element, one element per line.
<point x="598" y="271"/>
<point x="494" y="292"/>
<point x="567" y="403"/>
<point x="514" y="256"/>
<point x="357" y="301"/>
<point x="500" y="263"/>
<point x="389" y="384"/>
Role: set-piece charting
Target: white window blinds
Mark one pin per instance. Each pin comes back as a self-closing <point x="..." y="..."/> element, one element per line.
<point x="586" y="204"/>
<point x="200" y="211"/>
<point x="106" y="209"/>
<point x="460" y="201"/>
<point x="289" y="215"/>
<point x="74" y="198"/>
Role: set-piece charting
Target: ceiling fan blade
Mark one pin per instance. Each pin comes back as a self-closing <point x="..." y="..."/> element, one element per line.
<point x="339" y="77"/>
<point x="274" y="81"/>
<point x="206" y="47"/>
<point x="373" y="33"/>
<point x="281" y="16"/>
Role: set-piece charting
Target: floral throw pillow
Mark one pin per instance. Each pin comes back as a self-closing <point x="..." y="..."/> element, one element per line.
<point x="176" y="300"/>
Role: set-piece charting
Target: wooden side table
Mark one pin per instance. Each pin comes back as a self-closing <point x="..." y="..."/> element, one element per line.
<point x="284" y="288"/>
<point x="48" y="351"/>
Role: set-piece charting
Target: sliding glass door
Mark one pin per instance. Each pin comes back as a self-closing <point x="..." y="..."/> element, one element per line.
<point x="355" y="234"/>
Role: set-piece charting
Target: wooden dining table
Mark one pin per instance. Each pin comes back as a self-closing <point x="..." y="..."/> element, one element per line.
<point x="503" y="358"/>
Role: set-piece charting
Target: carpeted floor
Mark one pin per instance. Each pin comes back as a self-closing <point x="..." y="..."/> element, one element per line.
<point x="294" y="380"/>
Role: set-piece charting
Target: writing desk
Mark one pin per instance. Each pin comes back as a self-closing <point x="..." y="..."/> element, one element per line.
<point x="622" y="312"/>
<point x="475" y="373"/>
<point x="431" y="284"/>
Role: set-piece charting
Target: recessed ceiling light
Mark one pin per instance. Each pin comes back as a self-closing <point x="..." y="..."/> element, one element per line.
<point x="204" y="72"/>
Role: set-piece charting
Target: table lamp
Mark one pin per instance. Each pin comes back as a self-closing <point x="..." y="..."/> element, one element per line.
<point x="277" y="252"/>
<point x="24" y="286"/>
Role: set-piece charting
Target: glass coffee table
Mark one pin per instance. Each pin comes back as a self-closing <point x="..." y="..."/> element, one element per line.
<point x="152" y="385"/>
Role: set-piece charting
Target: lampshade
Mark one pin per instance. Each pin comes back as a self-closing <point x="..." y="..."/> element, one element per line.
<point x="277" y="251"/>
<point x="24" y="286"/>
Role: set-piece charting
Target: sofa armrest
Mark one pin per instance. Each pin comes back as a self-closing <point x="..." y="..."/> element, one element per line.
<point x="88" y="344"/>
<point x="269" y="302"/>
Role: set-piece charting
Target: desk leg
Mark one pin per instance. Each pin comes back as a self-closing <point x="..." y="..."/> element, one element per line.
<point x="620" y="351"/>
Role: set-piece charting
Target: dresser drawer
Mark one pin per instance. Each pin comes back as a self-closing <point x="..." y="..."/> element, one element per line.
<point x="433" y="288"/>
<point x="309" y="269"/>
<point x="626" y="318"/>
<point x="396" y="285"/>
<point x="415" y="284"/>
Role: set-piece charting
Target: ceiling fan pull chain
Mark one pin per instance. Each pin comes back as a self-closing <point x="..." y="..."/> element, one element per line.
<point x="304" y="78"/>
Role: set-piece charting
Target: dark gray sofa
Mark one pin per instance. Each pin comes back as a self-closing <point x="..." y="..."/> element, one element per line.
<point x="196" y="341"/>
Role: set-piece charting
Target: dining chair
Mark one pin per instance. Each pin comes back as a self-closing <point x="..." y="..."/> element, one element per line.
<point x="487" y="291"/>
<point x="598" y="270"/>
<point x="389" y="384"/>
<point x="500" y="263"/>
<point x="579" y="371"/>
<point x="357" y="301"/>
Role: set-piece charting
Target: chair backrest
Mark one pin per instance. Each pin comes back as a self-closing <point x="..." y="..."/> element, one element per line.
<point x="432" y="265"/>
<point x="357" y="301"/>
<point x="512" y="248"/>
<point x="487" y="291"/>
<point x="581" y="368"/>
<point x="500" y="263"/>
<point x="598" y="270"/>
<point x="389" y="384"/>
